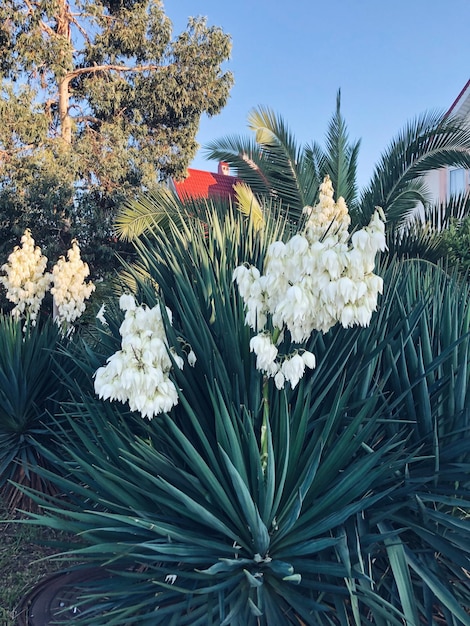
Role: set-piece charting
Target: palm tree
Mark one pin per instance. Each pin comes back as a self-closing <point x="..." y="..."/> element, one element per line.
<point x="273" y="164"/>
<point x="430" y="142"/>
<point x="431" y="234"/>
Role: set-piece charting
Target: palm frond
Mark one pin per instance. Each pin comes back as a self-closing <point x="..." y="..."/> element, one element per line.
<point x="415" y="239"/>
<point x="315" y="160"/>
<point x="244" y="156"/>
<point x="270" y="164"/>
<point x="443" y="213"/>
<point x="428" y="142"/>
<point x="282" y="157"/>
<point x="341" y="157"/>
<point x="248" y="204"/>
<point x="138" y="215"/>
<point x="426" y="232"/>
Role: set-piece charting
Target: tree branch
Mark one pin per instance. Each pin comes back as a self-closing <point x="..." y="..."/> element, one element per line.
<point x="88" y="118"/>
<point x="109" y="67"/>
<point x="47" y="29"/>
<point x="79" y="27"/>
<point x="6" y="155"/>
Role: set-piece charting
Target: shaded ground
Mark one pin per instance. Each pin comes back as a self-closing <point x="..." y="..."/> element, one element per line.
<point x="23" y="549"/>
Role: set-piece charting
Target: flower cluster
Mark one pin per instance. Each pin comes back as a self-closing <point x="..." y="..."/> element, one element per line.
<point x="70" y="289"/>
<point x="327" y="214"/>
<point x="27" y="282"/>
<point x="290" y="369"/>
<point x="318" y="278"/>
<point x="25" y="278"/>
<point x="139" y="372"/>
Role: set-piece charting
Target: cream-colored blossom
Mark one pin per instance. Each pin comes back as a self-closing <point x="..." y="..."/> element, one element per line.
<point x="293" y="369"/>
<point x="266" y="353"/>
<point x="192" y="358"/>
<point x="315" y="280"/>
<point x="327" y="215"/>
<point x="309" y="359"/>
<point x="70" y="289"/>
<point x="127" y="302"/>
<point x="279" y="380"/>
<point x="26" y="280"/>
<point x="138" y="373"/>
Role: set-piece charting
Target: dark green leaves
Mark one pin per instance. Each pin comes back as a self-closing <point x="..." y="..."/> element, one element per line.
<point x="359" y="512"/>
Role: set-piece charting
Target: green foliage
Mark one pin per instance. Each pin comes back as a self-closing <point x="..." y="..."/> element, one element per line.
<point x="139" y="214"/>
<point x="96" y="102"/>
<point x="429" y="142"/>
<point x="430" y="233"/>
<point x="361" y="512"/>
<point x="30" y="394"/>
<point x="456" y="240"/>
<point x="339" y="159"/>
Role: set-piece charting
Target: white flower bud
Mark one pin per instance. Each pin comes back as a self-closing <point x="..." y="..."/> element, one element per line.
<point x="279" y="380"/>
<point x="309" y="359"/>
<point x="191" y="359"/>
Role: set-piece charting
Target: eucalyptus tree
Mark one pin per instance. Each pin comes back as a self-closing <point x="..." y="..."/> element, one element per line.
<point x="97" y="99"/>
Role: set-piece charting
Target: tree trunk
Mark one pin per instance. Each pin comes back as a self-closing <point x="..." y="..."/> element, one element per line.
<point x="63" y="30"/>
<point x="65" y="120"/>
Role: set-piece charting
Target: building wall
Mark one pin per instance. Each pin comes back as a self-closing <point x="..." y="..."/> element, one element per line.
<point x="442" y="183"/>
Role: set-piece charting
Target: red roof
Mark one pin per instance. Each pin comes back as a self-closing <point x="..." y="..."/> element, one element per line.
<point x="202" y="184"/>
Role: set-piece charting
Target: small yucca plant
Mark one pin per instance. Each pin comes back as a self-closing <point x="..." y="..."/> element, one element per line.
<point x="30" y="392"/>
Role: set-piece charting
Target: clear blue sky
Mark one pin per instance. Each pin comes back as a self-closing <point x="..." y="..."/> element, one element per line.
<point x="392" y="60"/>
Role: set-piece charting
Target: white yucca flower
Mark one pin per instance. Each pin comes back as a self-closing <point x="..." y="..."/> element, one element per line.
<point x="139" y="373"/>
<point x="293" y="369"/>
<point x="317" y="279"/>
<point x="192" y="358"/>
<point x="266" y="353"/>
<point x="327" y="215"/>
<point x="70" y="289"/>
<point x="26" y="280"/>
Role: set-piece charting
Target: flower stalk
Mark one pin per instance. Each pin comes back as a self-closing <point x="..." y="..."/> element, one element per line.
<point x="264" y="426"/>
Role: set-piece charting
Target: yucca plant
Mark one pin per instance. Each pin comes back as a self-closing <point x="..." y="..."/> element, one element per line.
<point x="352" y="516"/>
<point x="420" y="336"/>
<point x="30" y="392"/>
